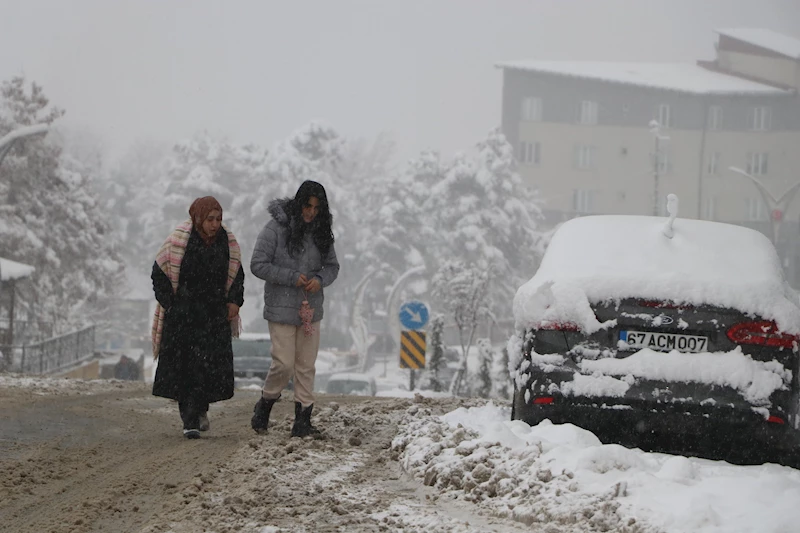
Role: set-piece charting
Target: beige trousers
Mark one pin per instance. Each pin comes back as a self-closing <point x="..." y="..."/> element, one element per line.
<point x="293" y="354"/>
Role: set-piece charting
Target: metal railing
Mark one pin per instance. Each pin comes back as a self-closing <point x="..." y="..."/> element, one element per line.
<point x="52" y="354"/>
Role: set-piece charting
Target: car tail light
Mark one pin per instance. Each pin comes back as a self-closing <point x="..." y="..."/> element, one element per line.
<point x="760" y="333"/>
<point x="543" y="400"/>
<point x="558" y="326"/>
<point x="776" y="420"/>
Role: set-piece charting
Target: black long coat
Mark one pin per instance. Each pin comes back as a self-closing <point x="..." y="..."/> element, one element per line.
<point x="195" y="360"/>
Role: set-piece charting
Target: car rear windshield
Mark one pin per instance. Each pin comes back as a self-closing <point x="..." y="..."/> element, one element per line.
<point x="347" y="387"/>
<point x="251" y="348"/>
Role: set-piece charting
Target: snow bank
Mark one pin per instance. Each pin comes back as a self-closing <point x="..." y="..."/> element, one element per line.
<point x="561" y="475"/>
<point x="597" y="258"/>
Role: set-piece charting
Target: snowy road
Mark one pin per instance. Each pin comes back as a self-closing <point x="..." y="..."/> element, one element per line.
<point x="103" y="456"/>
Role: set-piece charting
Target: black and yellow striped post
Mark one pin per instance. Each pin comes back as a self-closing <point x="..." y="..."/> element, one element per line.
<point x="412" y="349"/>
<point x="412" y="352"/>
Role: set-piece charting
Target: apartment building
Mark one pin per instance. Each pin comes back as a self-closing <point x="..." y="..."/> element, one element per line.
<point x="599" y="137"/>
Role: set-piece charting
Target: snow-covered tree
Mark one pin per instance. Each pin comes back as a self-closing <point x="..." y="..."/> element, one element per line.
<point x="133" y="194"/>
<point x="501" y="377"/>
<point x="198" y="167"/>
<point x="488" y="217"/>
<point x="436" y="360"/>
<point x="486" y="358"/>
<point x="461" y="289"/>
<point x="50" y="217"/>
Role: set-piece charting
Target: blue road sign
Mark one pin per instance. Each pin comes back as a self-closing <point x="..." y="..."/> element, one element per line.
<point x="414" y="315"/>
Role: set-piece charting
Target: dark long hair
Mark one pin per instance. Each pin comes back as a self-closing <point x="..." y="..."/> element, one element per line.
<point x="320" y="228"/>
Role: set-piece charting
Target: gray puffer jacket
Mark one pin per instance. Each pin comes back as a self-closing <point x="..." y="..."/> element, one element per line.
<point x="272" y="263"/>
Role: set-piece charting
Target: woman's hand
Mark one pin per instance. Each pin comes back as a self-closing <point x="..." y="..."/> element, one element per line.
<point x="233" y="311"/>
<point x="313" y="285"/>
<point x="302" y="281"/>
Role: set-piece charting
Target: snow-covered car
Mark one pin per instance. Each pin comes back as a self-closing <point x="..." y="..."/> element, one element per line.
<point x="351" y="383"/>
<point x="648" y="328"/>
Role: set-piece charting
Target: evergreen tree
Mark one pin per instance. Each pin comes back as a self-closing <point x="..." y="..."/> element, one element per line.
<point x="462" y="290"/>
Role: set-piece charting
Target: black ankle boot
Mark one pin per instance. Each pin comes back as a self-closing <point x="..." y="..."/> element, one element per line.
<point x="261" y="411"/>
<point x="302" y="421"/>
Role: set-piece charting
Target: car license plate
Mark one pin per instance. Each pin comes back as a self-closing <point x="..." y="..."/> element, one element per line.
<point x="664" y="341"/>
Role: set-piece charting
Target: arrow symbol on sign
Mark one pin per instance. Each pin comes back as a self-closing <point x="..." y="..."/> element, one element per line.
<point x="416" y="317"/>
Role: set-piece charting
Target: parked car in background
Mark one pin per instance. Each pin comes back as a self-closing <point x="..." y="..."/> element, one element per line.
<point x="351" y="383"/>
<point x="252" y="357"/>
<point x="681" y="336"/>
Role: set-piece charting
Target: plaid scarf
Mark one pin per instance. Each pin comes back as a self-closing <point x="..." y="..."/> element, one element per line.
<point x="169" y="259"/>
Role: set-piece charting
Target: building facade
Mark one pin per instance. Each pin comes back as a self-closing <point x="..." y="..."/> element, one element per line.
<point x="605" y="138"/>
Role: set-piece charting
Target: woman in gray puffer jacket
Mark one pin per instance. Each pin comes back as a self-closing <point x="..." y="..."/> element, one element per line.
<point x="294" y="255"/>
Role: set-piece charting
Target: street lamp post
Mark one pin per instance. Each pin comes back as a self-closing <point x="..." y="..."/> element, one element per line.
<point x="655" y="129"/>
<point x="777" y="205"/>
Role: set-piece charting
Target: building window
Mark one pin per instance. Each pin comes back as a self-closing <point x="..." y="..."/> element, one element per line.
<point x="664" y="116"/>
<point x="760" y="118"/>
<point x="710" y="208"/>
<point x="588" y="113"/>
<point x="757" y="163"/>
<point x="530" y="153"/>
<point x="582" y="201"/>
<point x="584" y="157"/>
<point x="756" y="210"/>
<point x="532" y="109"/>
<point x="715" y="117"/>
<point x="712" y="164"/>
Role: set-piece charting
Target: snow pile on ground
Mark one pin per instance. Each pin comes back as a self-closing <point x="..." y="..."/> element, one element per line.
<point x="703" y="263"/>
<point x="343" y="482"/>
<point x="402" y="393"/>
<point x="44" y="385"/>
<point x="562" y="477"/>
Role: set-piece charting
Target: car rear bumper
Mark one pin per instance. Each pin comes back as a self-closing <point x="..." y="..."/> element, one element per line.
<point x="718" y="433"/>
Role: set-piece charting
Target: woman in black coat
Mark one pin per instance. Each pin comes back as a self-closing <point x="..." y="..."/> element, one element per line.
<point x="198" y="281"/>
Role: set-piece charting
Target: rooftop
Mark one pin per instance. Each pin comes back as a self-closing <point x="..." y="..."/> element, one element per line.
<point x="766" y="39"/>
<point x="680" y="77"/>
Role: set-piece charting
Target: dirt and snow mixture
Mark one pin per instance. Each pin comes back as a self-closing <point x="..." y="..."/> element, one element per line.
<point x="106" y="456"/>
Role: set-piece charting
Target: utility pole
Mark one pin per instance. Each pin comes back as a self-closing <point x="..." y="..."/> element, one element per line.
<point x="655" y="129"/>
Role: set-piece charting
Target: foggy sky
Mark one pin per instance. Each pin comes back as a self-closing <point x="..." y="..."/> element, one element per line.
<point x="254" y="71"/>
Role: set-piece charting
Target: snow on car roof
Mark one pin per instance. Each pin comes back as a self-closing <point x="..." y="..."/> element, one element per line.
<point x="595" y="258"/>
